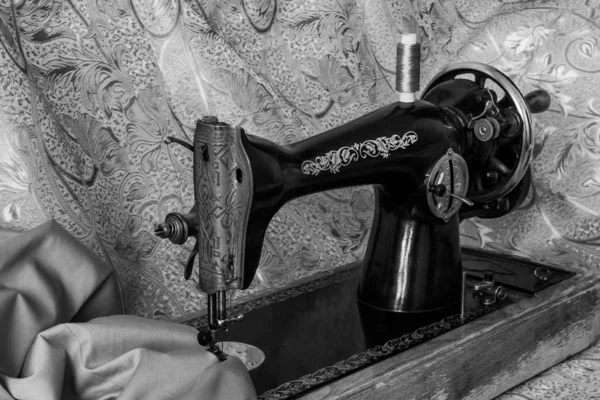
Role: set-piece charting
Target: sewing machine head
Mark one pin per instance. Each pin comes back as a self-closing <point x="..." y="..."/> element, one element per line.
<point x="461" y="151"/>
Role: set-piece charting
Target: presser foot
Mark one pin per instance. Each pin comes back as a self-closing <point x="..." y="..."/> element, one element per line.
<point x="251" y="356"/>
<point x="206" y="338"/>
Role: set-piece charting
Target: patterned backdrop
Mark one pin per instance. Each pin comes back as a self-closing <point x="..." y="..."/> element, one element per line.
<point x="90" y="89"/>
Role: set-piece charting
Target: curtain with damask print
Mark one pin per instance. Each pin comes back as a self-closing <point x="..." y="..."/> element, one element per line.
<point x="90" y="89"/>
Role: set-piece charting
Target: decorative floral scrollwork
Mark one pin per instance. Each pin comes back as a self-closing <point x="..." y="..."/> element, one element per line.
<point x="380" y="147"/>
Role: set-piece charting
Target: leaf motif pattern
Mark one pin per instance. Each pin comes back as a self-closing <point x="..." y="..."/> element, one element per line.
<point x="98" y="143"/>
<point x="329" y="19"/>
<point x="250" y="96"/>
<point x="135" y="243"/>
<point x="102" y="84"/>
<point x="17" y="175"/>
<point x="335" y="79"/>
<point x="45" y="25"/>
<point x="147" y="125"/>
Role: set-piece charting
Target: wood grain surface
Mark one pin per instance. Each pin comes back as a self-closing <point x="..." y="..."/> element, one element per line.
<point x="484" y="358"/>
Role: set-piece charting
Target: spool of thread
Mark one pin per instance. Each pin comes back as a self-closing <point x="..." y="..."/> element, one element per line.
<point x="408" y="68"/>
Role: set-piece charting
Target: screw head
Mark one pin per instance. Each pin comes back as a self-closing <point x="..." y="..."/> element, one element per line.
<point x="439" y="190"/>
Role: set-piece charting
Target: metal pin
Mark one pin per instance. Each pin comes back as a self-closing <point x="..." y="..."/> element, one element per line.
<point x="463" y="298"/>
<point x="462" y="199"/>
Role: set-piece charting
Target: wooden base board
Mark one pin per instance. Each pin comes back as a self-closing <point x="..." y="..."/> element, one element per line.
<point x="488" y="356"/>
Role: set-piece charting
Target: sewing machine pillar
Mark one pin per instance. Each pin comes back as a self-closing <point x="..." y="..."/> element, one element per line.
<point x="412" y="263"/>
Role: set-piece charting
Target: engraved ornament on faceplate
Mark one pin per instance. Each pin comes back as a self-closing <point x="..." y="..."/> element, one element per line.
<point x="380" y="147"/>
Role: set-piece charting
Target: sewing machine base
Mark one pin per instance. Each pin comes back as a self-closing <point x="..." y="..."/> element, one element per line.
<point x="319" y="343"/>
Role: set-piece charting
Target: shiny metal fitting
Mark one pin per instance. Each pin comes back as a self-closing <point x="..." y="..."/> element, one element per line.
<point x="178" y="227"/>
<point x="487" y="290"/>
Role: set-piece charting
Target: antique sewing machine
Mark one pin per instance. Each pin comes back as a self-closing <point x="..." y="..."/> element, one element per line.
<point x="461" y="151"/>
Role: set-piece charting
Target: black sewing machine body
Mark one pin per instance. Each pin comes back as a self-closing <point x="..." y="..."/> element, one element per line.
<point x="460" y="152"/>
<point x="420" y="133"/>
<point x="417" y="155"/>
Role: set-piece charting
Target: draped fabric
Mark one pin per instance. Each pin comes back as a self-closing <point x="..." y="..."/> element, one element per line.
<point x="61" y="336"/>
<point x="48" y="277"/>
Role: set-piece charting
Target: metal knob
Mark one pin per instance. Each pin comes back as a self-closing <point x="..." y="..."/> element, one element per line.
<point x="486" y="129"/>
<point x="178" y="227"/>
<point x="439" y="190"/>
<point x="538" y="101"/>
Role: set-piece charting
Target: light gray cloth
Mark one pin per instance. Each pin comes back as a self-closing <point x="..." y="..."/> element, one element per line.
<point x="50" y="285"/>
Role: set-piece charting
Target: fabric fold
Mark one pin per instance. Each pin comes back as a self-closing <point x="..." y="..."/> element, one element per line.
<point x="62" y="338"/>
<point x="46" y="276"/>
<point x="126" y="357"/>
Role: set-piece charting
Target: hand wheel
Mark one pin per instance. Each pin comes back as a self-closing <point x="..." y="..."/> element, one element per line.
<point x="498" y="120"/>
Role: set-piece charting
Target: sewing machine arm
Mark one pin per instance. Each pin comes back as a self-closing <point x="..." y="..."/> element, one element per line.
<point x="382" y="148"/>
<point x="419" y="156"/>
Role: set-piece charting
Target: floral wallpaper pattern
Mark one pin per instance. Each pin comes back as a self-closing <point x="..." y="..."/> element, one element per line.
<point x="90" y="89"/>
